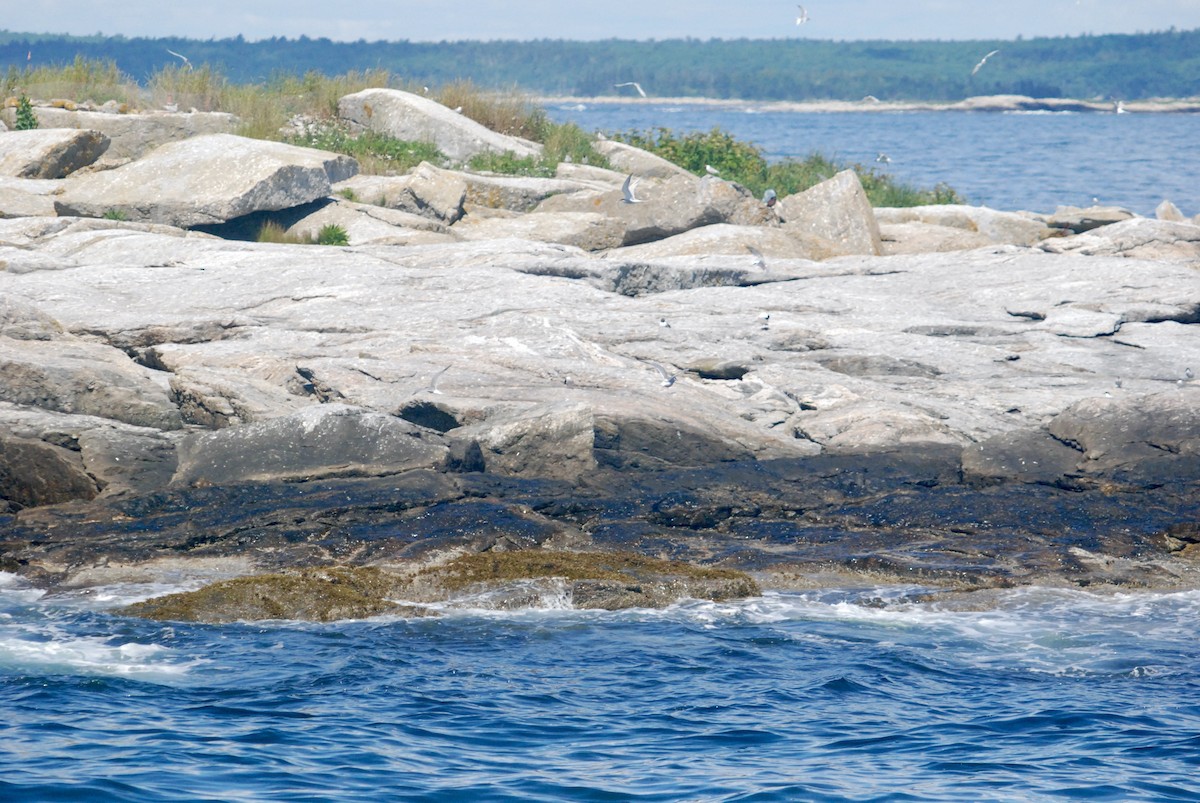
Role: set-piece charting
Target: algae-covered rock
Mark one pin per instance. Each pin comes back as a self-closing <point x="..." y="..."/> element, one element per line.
<point x="600" y="580"/>
<point x="318" y="595"/>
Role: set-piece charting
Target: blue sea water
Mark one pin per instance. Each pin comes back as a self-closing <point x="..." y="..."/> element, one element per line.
<point x="843" y="694"/>
<point x="1018" y="161"/>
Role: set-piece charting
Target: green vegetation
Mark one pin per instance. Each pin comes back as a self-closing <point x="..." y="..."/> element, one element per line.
<point x="332" y="234"/>
<point x="744" y="163"/>
<point x="376" y="153"/>
<point x="116" y="214"/>
<point x="1127" y="66"/>
<point x="302" y="110"/>
<point x="26" y="118"/>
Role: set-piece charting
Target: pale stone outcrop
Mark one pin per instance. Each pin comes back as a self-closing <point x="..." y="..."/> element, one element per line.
<point x="425" y="190"/>
<point x="406" y="116"/>
<point x="1169" y="212"/>
<point x="629" y="159"/>
<point x="1011" y="228"/>
<point x="366" y="224"/>
<point x="49" y="152"/>
<point x="133" y="135"/>
<point x="27" y="197"/>
<point x="837" y="211"/>
<point x="322" y="440"/>
<point x="1144" y="238"/>
<point x="925" y="238"/>
<point x="589" y="231"/>
<point x="667" y="206"/>
<point x="207" y="180"/>
<point x="1080" y="219"/>
<point x="725" y="239"/>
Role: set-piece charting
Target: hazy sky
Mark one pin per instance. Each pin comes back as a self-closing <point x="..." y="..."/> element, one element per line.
<point x="436" y="20"/>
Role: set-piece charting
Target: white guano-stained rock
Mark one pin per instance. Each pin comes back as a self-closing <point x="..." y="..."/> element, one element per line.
<point x="207" y="180"/>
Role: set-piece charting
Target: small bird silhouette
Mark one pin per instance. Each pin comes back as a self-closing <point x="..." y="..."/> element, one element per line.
<point x="983" y="61"/>
<point x="627" y="191"/>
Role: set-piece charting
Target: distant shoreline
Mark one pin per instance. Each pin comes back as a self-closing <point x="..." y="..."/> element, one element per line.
<point x="986" y="103"/>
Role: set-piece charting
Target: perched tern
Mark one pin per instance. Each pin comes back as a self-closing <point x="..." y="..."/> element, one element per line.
<point x="712" y="171"/>
<point x="769" y="197"/>
<point x="635" y="85"/>
<point x="983" y="61"/>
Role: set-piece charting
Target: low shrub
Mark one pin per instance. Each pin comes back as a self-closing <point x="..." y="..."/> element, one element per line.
<point x="26" y="118"/>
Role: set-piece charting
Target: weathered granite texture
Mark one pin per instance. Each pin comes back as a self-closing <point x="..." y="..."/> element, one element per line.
<point x="496" y="364"/>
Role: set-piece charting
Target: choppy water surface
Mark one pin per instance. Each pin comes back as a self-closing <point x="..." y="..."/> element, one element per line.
<point x="1032" y="161"/>
<point x="1031" y="695"/>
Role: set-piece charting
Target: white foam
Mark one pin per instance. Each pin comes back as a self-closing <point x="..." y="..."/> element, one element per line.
<point x="56" y="653"/>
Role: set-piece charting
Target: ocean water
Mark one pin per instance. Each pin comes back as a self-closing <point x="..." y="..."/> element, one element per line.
<point x="1029" y="161"/>
<point x="843" y="694"/>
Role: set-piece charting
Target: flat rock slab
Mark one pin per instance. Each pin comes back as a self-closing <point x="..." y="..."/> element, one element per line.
<point x="135" y="134"/>
<point x="49" y="152"/>
<point x="206" y="180"/>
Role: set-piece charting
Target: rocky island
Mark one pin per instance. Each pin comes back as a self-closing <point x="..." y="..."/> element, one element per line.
<point x="696" y="394"/>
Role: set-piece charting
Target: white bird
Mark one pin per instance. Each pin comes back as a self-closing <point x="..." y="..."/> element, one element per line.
<point x="765" y="317"/>
<point x="712" y="171"/>
<point x="664" y="323"/>
<point x="883" y="158"/>
<point x="668" y="378"/>
<point x="983" y="61"/>
<point x="802" y="15"/>
<point x="1188" y="375"/>
<point x="759" y="261"/>
<point x="635" y="85"/>
<point x="627" y="191"/>
<point x="186" y="63"/>
<point x="770" y="197"/>
<point x="433" y="382"/>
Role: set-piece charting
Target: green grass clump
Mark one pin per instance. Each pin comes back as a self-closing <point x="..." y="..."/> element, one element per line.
<point x="376" y="153"/>
<point x="744" y="163"/>
<point x="115" y="214"/>
<point x="333" y="234"/>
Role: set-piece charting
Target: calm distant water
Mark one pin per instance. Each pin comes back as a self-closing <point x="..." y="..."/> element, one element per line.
<point x="1045" y="695"/>
<point x="1031" y="161"/>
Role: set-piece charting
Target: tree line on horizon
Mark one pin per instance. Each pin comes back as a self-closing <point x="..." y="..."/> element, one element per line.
<point x="1111" y="66"/>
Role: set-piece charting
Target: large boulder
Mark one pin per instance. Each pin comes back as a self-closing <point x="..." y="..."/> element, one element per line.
<point x="366" y="224"/>
<point x="325" y="440"/>
<point x="132" y="135"/>
<point x="667" y="206"/>
<point x="49" y="152"/>
<point x="755" y="246"/>
<point x="426" y="190"/>
<point x="1079" y="219"/>
<point x="629" y="159"/>
<point x="406" y="116"/>
<point x="207" y="180"/>
<point x="27" y="197"/>
<point x="1145" y="438"/>
<point x="837" y="211"/>
<point x="1144" y="238"/>
<point x="587" y="230"/>
<point x="1011" y="228"/>
<point x="74" y="376"/>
